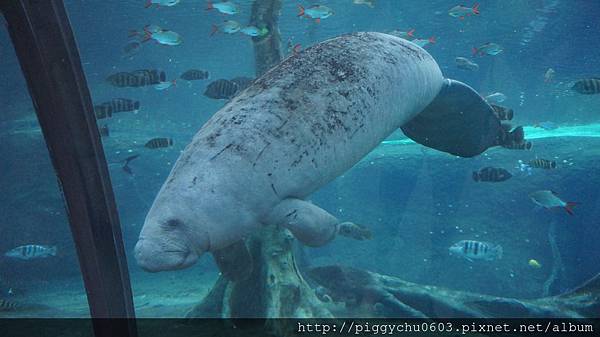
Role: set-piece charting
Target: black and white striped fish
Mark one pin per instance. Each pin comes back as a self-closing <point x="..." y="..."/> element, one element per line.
<point x="29" y="252"/>
<point x="107" y="109"/>
<point x="195" y="74"/>
<point x="588" y="86"/>
<point x="137" y="78"/>
<point x="491" y="174"/>
<point x="525" y="145"/>
<point x="542" y="163"/>
<point x="221" y="89"/>
<point x="476" y="250"/>
<point x="156" y="143"/>
<point x="6" y="305"/>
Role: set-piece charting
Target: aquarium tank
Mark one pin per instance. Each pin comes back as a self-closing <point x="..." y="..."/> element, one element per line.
<point x="309" y="159"/>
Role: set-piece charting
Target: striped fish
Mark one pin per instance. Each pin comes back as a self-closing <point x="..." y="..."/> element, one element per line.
<point x="6" y="305"/>
<point x="221" y="89"/>
<point x="542" y="163"/>
<point x="137" y="78"/>
<point x="491" y="174"/>
<point x="107" y="109"/>
<point x="476" y="250"/>
<point x="518" y="146"/>
<point x="195" y="74"/>
<point x="29" y="252"/>
<point x="157" y="143"/>
<point x="588" y="86"/>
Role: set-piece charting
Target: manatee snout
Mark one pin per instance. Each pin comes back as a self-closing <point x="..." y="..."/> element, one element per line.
<point x="164" y="246"/>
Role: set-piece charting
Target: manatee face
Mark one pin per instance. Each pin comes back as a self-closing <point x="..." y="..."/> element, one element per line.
<point x="168" y="240"/>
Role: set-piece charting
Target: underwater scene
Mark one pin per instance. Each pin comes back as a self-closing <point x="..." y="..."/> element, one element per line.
<point x="441" y="159"/>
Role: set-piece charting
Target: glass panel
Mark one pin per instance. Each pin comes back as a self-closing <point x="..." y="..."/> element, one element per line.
<point x="39" y="270"/>
<point x="484" y="225"/>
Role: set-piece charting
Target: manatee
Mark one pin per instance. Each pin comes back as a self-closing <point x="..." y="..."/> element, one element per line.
<point x="296" y="128"/>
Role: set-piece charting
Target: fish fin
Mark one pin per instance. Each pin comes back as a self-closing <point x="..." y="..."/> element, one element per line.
<point x="214" y="30"/>
<point x="209" y="6"/>
<point x="411" y="33"/>
<point x="300" y="10"/>
<point x="133" y="33"/>
<point x="432" y="39"/>
<point x="499" y="251"/>
<point x="458" y="121"/>
<point x="318" y="20"/>
<point x="569" y="207"/>
<point x="476" y="9"/>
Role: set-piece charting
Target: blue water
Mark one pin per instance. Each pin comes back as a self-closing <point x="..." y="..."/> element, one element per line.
<point x="416" y="201"/>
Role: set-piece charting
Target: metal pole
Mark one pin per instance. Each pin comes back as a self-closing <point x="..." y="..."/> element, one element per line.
<point x="44" y="42"/>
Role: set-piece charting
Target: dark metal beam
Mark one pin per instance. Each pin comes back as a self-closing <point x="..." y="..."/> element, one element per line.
<point x="44" y="42"/>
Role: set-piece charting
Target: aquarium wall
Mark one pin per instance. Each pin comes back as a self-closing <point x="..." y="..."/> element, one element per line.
<point x="516" y="221"/>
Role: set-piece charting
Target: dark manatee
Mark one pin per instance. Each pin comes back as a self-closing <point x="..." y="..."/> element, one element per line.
<point x="296" y="128"/>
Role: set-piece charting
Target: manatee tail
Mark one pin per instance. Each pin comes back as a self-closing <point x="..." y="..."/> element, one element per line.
<point x="460" y="122"/>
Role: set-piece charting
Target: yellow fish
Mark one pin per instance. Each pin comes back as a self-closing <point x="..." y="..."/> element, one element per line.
<point x="535" y="264"/>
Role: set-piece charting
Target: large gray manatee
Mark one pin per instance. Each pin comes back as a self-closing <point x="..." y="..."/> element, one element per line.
<point x="299" y="126"/>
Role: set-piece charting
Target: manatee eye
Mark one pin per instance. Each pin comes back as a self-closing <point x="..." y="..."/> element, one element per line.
<point x="172" y="224"/>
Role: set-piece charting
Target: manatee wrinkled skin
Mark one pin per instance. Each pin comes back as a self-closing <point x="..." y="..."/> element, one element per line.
<point x="299" y="126"/>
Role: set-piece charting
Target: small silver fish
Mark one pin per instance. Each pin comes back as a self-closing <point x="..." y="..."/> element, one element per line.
<point x="158" y="3"/>
<point x="254" y="31"/>
<point x="496" y="97"/>
<point x="229" y="27"/>
<point x="29" y="252"/>
<point x="316" y="12"/>
<point x="549" y="75"/>
<point x="476" y="250"/>
<point x="489" y="48"/>
<point x="549" y="199"/>
<point x="166" y="37"/>
<point x="165" y="85"/>
<point x="225" y="7"/>
<point x="408" y="35"/>
<point x="461" y="11"/>
<point x="423" y="42"/>
<point x="466" y="64"/>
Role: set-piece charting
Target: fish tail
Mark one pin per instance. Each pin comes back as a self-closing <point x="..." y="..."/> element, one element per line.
<point x="499" y="251"/>
<point x="209" y="6"/>
<point x="300" y="10"/>
<point x="52" y="251"/>
<point x="476" y="9"/>
<point x="569" y="207"/>
<point x="214" y="30"/>
<point x="475" y="176"/>
<point x="432" y="39"/>
<point x="411" y="33"/>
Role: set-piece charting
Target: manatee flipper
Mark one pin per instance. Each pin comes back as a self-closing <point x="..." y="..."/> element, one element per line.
<point x="234" y="261"/>
<point x="310" y="224"/>
<point x="459" y="121"/>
